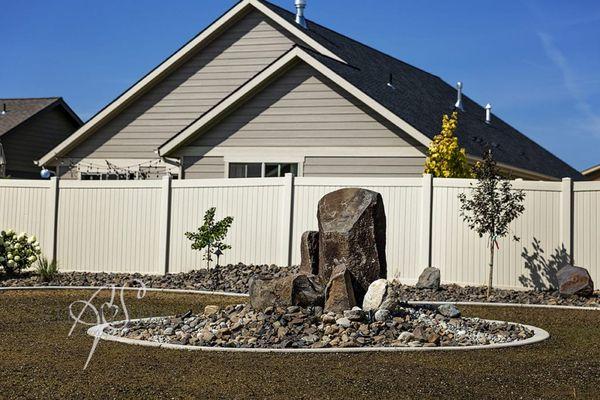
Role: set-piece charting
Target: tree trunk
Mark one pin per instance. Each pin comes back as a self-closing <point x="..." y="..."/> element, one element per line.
<point x="489" y="288"/>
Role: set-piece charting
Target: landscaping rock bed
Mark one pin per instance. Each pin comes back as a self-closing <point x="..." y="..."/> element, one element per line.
<point x="241" y="326"/>
<point x="229" y="278"/>
<point x="456" y="293"/>
<point x="236" y="278"/>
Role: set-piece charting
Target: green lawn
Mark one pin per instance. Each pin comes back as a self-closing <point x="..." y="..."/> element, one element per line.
<point x="37" y="360"/>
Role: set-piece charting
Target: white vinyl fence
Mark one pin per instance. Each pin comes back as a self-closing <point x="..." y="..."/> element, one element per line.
<point x="139" y="226"/>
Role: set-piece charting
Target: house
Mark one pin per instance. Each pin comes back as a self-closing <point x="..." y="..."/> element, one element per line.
<point x="29" y="128"/>
<point x="263" y="91"/>
<point x="592" y="173"/>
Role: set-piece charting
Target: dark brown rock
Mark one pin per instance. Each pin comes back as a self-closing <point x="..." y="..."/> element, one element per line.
<point x="429" y="279"/>
<point x="352" y="232"/>
<point x="339" y="293"/>
<point x="574" y="281"/>
<point x="309" y="253"/>
<point x="307" y="291"/>
<point x="271" y="292"/>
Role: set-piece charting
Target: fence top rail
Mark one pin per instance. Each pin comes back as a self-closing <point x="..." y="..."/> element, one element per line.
<point x="133" y="184"/>
<point x="228" y="182"/>
<point x="517" y="184"/>
<point x="360" y="181"/>
<point x="586" y="186"/>
<point x="25" y="183"/>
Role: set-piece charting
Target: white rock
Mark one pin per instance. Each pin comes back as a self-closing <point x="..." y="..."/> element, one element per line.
<point x="344" y="322"/>
<point x="375" y="295"/>
<point x="406" y="337"/>
<point x="382" y="315"/>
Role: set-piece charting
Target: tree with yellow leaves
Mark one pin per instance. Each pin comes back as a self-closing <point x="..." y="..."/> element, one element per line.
<point x="445" y="158"/>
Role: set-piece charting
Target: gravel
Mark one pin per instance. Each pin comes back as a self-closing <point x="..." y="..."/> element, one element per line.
<point x="241" y="326"/>
<point x="235" y="278"/>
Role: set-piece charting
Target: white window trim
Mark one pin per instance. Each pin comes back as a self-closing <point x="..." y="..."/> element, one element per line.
<point x="263" y="161"/>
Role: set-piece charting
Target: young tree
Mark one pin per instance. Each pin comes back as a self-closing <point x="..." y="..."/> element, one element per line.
<point x="210" y="235"/>
<point x="445" y="158"/>
<point x="493" y="205"/>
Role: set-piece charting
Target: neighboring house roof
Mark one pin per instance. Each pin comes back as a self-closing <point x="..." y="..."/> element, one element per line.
<point x="417" y="101"/>
<point x="20" y="110"/>
<point x="591" y="170"/>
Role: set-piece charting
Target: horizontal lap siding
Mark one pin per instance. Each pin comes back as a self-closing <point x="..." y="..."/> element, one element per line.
<point x="203" y="167"/>
<point x="34" y="138"/>
<point x="364" y="166"/>
<point x="302" y="108"/>
<point x="194" y="87"/>
<point x="112" y="229"/>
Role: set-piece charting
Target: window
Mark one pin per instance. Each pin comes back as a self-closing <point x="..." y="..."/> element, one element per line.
<point x="245" y="170"/>
<point x="257" y="170"/>
<point x="279" y="170"/>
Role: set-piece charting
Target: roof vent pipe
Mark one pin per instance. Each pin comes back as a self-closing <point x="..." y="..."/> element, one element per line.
<point x="488" y="113"/>
<point x="3" y="109"/>
<point x="300" y="6"/>
<point x="459" y="102"/>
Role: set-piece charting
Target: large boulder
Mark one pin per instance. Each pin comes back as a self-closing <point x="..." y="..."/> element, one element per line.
<point x="309" y="253"/>
<point x="352" y="232"/>
<point x="269" y="292"/>
<point x="574" y="281"/>
<point x="307" y="291"/>
<point x="375" y="295"/>
<point x="429" y="279"/>
<point x="339" y="293"/>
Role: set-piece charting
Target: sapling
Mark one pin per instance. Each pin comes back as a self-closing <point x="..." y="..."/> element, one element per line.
<point x="209" y="237"/>
<point x="491" y="207"/>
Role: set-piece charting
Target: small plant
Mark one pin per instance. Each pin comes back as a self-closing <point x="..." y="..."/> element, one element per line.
<point x="17" y="252"/>
<point x="494" y="204"/>
<point x="210" y="236"/>
<point x="47" y="270"/>
<point x="445" y="158"/>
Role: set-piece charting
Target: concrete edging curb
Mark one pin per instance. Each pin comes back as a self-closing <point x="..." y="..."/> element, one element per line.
<point x="97" y="331"/>
<point x="233" y="294"/>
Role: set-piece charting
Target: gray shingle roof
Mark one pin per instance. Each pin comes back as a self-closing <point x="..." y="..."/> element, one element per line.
<point x="20" y="110"/>
<point x="421" y="99"/>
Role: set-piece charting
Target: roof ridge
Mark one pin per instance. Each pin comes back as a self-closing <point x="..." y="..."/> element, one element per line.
<point x="309" y="21"/>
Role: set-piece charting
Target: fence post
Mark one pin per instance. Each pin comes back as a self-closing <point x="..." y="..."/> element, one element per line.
<point x="426" y="211"/>
<point x="52" y="215"/>
<point x="286" y="221"/>
<point x="165" y="224"/>
<point x="566" y="216"/>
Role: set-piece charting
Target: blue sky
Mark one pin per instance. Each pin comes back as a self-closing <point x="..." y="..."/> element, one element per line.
<point x="536" y="61"/>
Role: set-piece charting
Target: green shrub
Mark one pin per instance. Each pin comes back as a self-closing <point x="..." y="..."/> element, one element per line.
<point x="47" y="270"/>
<point x="17" y="252"/>
<point x="209" y="237"/>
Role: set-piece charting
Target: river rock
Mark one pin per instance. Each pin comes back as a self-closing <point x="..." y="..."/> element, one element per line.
<point x="574" y="281"/>
<point x="267" y="292"/>
<point x="429" y="279"/>
<point x="339" y="293"/>
<point x="352" y="232"/>
<point x="449" y="310"/>
<point x="375" y="295"/>
<point x="307" y="291"/>
<point x="309" y="253"/>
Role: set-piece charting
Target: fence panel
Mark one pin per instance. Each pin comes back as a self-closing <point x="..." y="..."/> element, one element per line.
<point x="257" y="205"/>
<point x="24" y="208"/>
<point x="109" y="226"/>
<point x="586" y="229"/>
<point x="463" y="257"/>
<point x="401" y="198"/>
